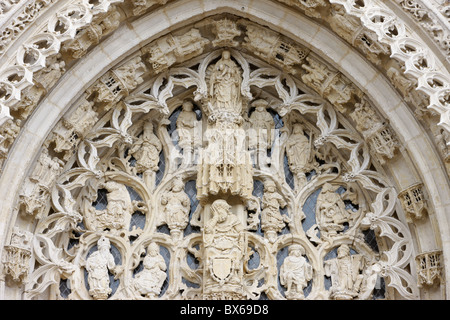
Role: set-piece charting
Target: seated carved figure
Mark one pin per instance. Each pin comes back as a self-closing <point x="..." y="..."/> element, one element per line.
<point x="149" y="281"/>
<point x="224" y="248"/>
<point x="331" y="212"/>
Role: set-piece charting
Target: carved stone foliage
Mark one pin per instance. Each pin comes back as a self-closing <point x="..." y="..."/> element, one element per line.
<point x="215" y="180"/>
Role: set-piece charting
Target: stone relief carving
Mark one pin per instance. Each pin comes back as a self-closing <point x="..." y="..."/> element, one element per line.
<point x="224" y="233"/>
<point x="272" y="221"/>
<point x="146" y="151"/>
<point x="331" y="212"/>
<point x="329" y="83"/>
<point x="295" y="272"/>
<point x="300" y="154"/>
<point x="170" y="49"/>
<point x="176" y="208"/>
<point x="225" y="246"/>
<point x="17" y="255"/>
<point x="226" y="30"/>
<point x="35" y="193"/>
<point x="429" y="266"/>
<point x="149" y="281"/>
<point x="381" y="140"/>
<point x="262" y="136"/>
<point x="189" y="133"/>
<point x="98" y="265"/>
<point x="345" y="272"/>
<point x="270" y="45"/>
<point x="414" y="202"/>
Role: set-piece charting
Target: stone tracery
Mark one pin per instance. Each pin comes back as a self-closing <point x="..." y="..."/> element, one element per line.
<point x="105" y="155"/>
<point x="107" y="159"/>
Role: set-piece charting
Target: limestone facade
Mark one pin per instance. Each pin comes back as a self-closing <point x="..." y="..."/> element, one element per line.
<point x="189" y="149"/>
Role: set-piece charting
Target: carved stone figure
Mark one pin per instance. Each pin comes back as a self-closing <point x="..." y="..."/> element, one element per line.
<point x="171" y="49"/>
<point x="329" y="83"/>
<point x="117" y="83"/>
<point x="225" y="87"/>
<point x="97" y="265"/>
<point x="381" y="141"/>
<point x="141" y="5"/>
<point x="261" y="133"/>
<point x="225" y="164"/>
<point x="225" y="30"/>
<point x="271" y="46"/>
<point x="345" y="272"/>
<point x="429" y="267"/>
<point x="330" y="211"/>
<point x="149" y="281"/>
<point x="414" y="202"/>
<point x="8" y="133"/>
<point x="146" y="150"/>
<point x="299" y="154"/>
<point x="295" y="272"/>
<point x="189" y="132"/>
<point x="117" y="215"/>
<point x="272" y="221"/>
<point x="176" y="208"/>
<point x="35" y="191"/>
<point x="224" y="252"/>
<point x="102" y="26"/>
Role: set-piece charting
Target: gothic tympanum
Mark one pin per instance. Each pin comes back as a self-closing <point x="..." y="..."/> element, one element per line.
<point x="220" y="178"/>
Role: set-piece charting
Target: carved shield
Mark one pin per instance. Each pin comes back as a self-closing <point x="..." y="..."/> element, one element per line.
<point x="221" y="267"/>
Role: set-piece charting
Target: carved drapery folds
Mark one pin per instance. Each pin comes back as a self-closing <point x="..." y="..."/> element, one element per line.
<point x="219" y="178"/>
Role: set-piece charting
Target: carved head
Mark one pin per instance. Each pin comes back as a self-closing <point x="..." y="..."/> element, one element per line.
<point x="297" y="128"/>
<point x="260" y="104"/>
<point x="153" y="249"/>
<point x="296" y="250"/>
<point x="103" y="243"/>
<point x="343" y="251"/>
<point x="177" y="184"/>
<point x="226" y="55"/>
<point x="221" y="209"/>
<point x="327" y="187"/>
<point x="187" y="105"/>
<point x="270" y="186"/>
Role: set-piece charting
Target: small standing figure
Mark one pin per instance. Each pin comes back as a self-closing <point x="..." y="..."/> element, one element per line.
<point x="189" y="132"/>
<point x="345" y="272"/>
<point x="97" y="265"/>
<point x="295" y="272"/>
<point x="272" y="221"/>
<point x="298" y="152"/>
<point x="262" y="132"/>
<point x="176" y="208"/>
<point x="146" y="151"/>
<point x="331" y="212"/>
<point x="149" y="281"/>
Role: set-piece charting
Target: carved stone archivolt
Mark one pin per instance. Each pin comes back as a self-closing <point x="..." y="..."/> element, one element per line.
<point x="219" y="178"/>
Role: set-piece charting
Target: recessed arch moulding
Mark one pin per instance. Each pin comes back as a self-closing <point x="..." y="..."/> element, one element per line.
<point x="123" y="152"/>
